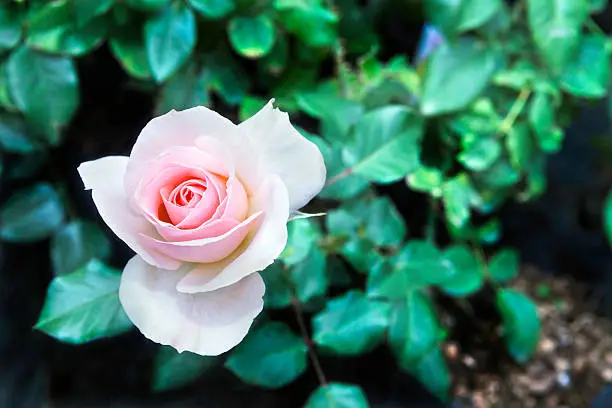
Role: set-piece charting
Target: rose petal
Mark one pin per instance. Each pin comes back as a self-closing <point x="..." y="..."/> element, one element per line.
<point x="176" y="128"/>
<point x="203" y="250"/>
<point x="265" y="243"/>
<point x="280" y="149"/>
<point x="208" y="323"/>
<point x="105" y="178"/>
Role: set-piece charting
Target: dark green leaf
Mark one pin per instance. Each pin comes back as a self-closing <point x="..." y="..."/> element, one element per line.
<point x="10" y="27"/>
<point x="187" y="88"/>
<point x="542" y="121"/>
<point x="607" y="217"/>
<point x="228" y="77"/>
<point x="456" y="194"/>
<point x="84" y="305"/>
<point x="15" y="136"/>
<point x="521" y="323"/>
<point x="521" y="146"/>
<point x="45" y="88"/>
<point x="31" y="214"/>
<point x="595" y="6"/>
<point x="272" y="356"/>
<point x="170" y="37"/>
<point x="414" y="330"/>
<point x="309" y="276"/>
<point x="504" y="266"/>
<point x="457" y="73"/>
<point x="555" y="26"/>
<point x="587" y="75"/>
<point x="454" y="16"/>
<point x="278" y="290"/>
<point x="303" y="235"/>
<point x="351" y="324"/>
<point x="85" y="10"/>
<point x="69" y="39"/>
<point x="313" y="24"/>
<point x="129" y="49"/>
<point x="385" y="144"/>
<point x="432" y="371"/>
<point x="252" y="37"/>
<point x="337" y="395"/>
<point x="427" y="180"/>
<point x="76" y="244"/>
<point x="480" y="154"/>
<point x="361" y="254"/>
<point x="213" y="8"/>
<point x="147" y="5"/>
<point x="275" y="61"/>
<point x="384" y="225"/>
<point x="6" y="100"/>
<point x="173" y="370"/>
<point x="467" y="276"/>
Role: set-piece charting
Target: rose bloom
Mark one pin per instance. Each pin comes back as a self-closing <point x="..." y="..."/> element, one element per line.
<point x="204" y="203"/>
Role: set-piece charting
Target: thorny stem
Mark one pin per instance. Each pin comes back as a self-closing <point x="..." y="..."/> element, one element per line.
<point x="339" y="177"/>
<point x="297" y="307"/>
<point x="515" y="110"/>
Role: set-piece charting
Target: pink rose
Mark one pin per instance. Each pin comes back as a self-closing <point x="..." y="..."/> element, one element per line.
<point x="204" y="204"/>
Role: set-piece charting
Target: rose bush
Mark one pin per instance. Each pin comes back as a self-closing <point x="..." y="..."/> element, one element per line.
<point x="204" y="203"/>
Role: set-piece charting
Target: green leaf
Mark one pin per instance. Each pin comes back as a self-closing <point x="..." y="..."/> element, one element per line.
<point x="170" y="37"/>
<point x="85" y="10"/>
<point x="456" y="193"/>
<point x="555" y="26"/>
<point x="432" y="371"/>
<point x="467" y="276"/>
<point x="69" y="39"/>
<point x="607" y="217"/>
<point x="15" y="136"/>
<point x="384" y="225"/>
<point x="456" y="75"/>
<point x="272" y="356"/>
<point x="6" y="100"/>
<point x="10" y="27"/>
<point x="542" y="121"/>
<point x="127" y="45"/>
<point x="426" y="179"/>
<point x="521" y="146"/>
<point x="337" y="395"/>
<point x="309" y="276"/>
<point x="587" y="75"/>
<point x="414" y="330"/>
<point x="521" y="323"/>
<point x="187" y="88"/>
<point x="504" y="266"/>
<point x="278" y="290"/>
<point x="173" y="370"/>
<point x="385" y="144"/>
<point x="313" y="24"/>
<point x="45" y="88"/>
<point x="76" y="244"/>
<point x="249" y="106"/>
<point x="455" y="16"/>
<point x="147" y="5"/>
<point x="480" y="154"/>
<point x="344" y="188"/>
<point x="418" y="265"/>
<point x="351" y="324"/>
<point x="252" y="37"/>
<point x="31" y="214"/>
<point x="227" y="76"/>
<point x="303" y="234"/>
<point x="213" y="9"/>
<point x="361" y="254"/>
<point x="596" y="6"/>
<point x="275" y="61"/>
<point x="84" y="305"/>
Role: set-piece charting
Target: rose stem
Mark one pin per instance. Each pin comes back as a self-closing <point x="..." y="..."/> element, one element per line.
<point x="297" y="307"/>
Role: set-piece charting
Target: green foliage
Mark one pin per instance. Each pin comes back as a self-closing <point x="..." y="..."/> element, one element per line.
<point x="84" y="305"/>
<point x="31" y="214"/>
<point x="173" y="370"/>
<point x="337" y="395"/>
<point x="271" y="356"/>
<point x="75" y="244"/>
<point x="521" y="323"/>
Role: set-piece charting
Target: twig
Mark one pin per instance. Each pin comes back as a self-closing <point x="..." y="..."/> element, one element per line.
<point x="338" y="177"/>
<point x="515" y="111"/>
<point x="297" y="307"/>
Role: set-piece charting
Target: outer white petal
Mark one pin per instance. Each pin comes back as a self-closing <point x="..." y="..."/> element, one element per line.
<point x="280" y="149"/>
<point x="208" y="323"/>
<point x="105" y="178"/>
<point x="259" y="249"/>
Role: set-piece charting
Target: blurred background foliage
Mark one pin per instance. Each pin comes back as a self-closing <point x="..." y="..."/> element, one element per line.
<point x="463" y="123"/>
